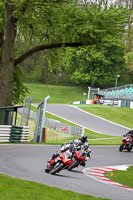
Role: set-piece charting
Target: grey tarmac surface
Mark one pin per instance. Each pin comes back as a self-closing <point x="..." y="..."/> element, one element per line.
<point x="86" y="120"/>
<point x="28" y="162"/>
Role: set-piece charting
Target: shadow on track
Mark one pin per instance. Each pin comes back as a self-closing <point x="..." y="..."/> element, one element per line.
<point x="75" y="171"/>
<point x="67" y="176"/>
<point x="126" y="151"/>
<point x="60" y="175"/>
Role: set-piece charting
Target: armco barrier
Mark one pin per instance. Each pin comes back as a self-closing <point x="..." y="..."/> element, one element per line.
<point x="19" y="134"/>
<point x="5" y="131"/>
<point x="14" y="133"/>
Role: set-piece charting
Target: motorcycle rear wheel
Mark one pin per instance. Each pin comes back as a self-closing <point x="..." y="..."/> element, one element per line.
<point x="74" y="164"/>
<point x="129" y="148"/>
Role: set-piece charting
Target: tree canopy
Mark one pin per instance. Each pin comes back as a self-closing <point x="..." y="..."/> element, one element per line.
<point x="49" y="24"/>
<point x="98" y="64"/>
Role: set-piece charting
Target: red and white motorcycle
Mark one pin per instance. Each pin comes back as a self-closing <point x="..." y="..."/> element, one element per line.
<point x="80" y="157"/>
<point x="62" y="162"/>
<point x="60" y="157"/>
<point x="127" y="143"/>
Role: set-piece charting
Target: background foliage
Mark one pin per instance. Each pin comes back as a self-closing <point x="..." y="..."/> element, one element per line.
<point x="98" y="34"/>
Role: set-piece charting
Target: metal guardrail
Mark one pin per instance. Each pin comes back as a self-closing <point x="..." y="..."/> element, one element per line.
<point x="65" y="128"/>
<point x="5" y="131"/>
<point x="118" y="93"/>
<point x="19" y="134"/>
<point x="51" y="123"/>
<point x="118" y="87"/>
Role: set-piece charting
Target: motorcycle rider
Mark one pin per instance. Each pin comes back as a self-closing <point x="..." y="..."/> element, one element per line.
<point x="77" y="143"/>
<point x="70" y="148"/>
<point x="130" y="134"/>
<point x="73" y="146"/>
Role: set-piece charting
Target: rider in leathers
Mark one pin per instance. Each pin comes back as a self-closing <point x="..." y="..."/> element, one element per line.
<point x="75" y="144"/>
<point x="130" y="133"/>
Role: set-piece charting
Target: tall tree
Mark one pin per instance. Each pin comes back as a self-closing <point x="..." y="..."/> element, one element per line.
<point x="98" y="64"/>
<point x="37" y="20"/>
<point x="7" y="62"/>
<point x="128" y="38"/>
<point x="48" y="24"/>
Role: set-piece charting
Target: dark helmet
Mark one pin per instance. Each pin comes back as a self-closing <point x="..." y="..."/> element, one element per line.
<point x="131" y="131"/>
<point x="72" y="148"/>
<point x="83" y="138"/>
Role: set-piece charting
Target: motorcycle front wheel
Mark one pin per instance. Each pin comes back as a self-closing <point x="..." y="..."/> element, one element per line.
<point x="121" y="147"/>
<point x="57" y="168"/>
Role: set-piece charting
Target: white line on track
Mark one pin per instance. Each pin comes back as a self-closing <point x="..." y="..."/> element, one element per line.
<point x="101" y="118"/>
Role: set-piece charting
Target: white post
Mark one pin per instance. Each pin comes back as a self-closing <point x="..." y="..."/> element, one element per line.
<point x="116" y="80"/>
<point x="82" y="131"/>
<point x="89" y="92"/>
<point x="36" y="125"/>
<point x="43" y="118"/>
<point x="98" y="90"/>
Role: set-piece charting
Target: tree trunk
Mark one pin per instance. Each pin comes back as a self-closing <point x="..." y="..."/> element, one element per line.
<point x="7" y="66"/>
<point x="44" y="64"/>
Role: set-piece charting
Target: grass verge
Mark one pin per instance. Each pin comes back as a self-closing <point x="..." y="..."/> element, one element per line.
<point x="122" y="116"/>
<point x="58" y="94"/>
<point x="122" y="177"/>
<point x="14" y="189"/>
<point x="111" y="141"/>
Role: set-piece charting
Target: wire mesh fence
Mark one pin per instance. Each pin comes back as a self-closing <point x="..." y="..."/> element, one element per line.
<point x="26" y="111"/>
<point x="63" y="128"/>
<point x="43" y="122"/>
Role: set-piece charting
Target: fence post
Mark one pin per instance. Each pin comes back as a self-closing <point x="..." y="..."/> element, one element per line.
<point x="83" y="130"/>
<point x="44" y="135"/>
<point x="43" y="117"/>
<point x="26" y="111"/>
<point x="36" y="126"/>
<point x="40" y="120"/>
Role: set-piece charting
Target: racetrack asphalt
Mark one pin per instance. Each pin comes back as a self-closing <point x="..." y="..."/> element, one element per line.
<point x="29" y="161"/>
<point x="87" y="120"/>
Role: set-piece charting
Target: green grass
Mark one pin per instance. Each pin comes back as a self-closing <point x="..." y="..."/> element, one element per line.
<point x="122" y="177"/>
<point x="113" y="141"/>
<point x="16" y="189"/>
<point x="123" y="116"/>
<point x="58" y="94"/>
<point x="33" y="108"/>
<point x="94" y="135"/>
<point x="59" y="141"/>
